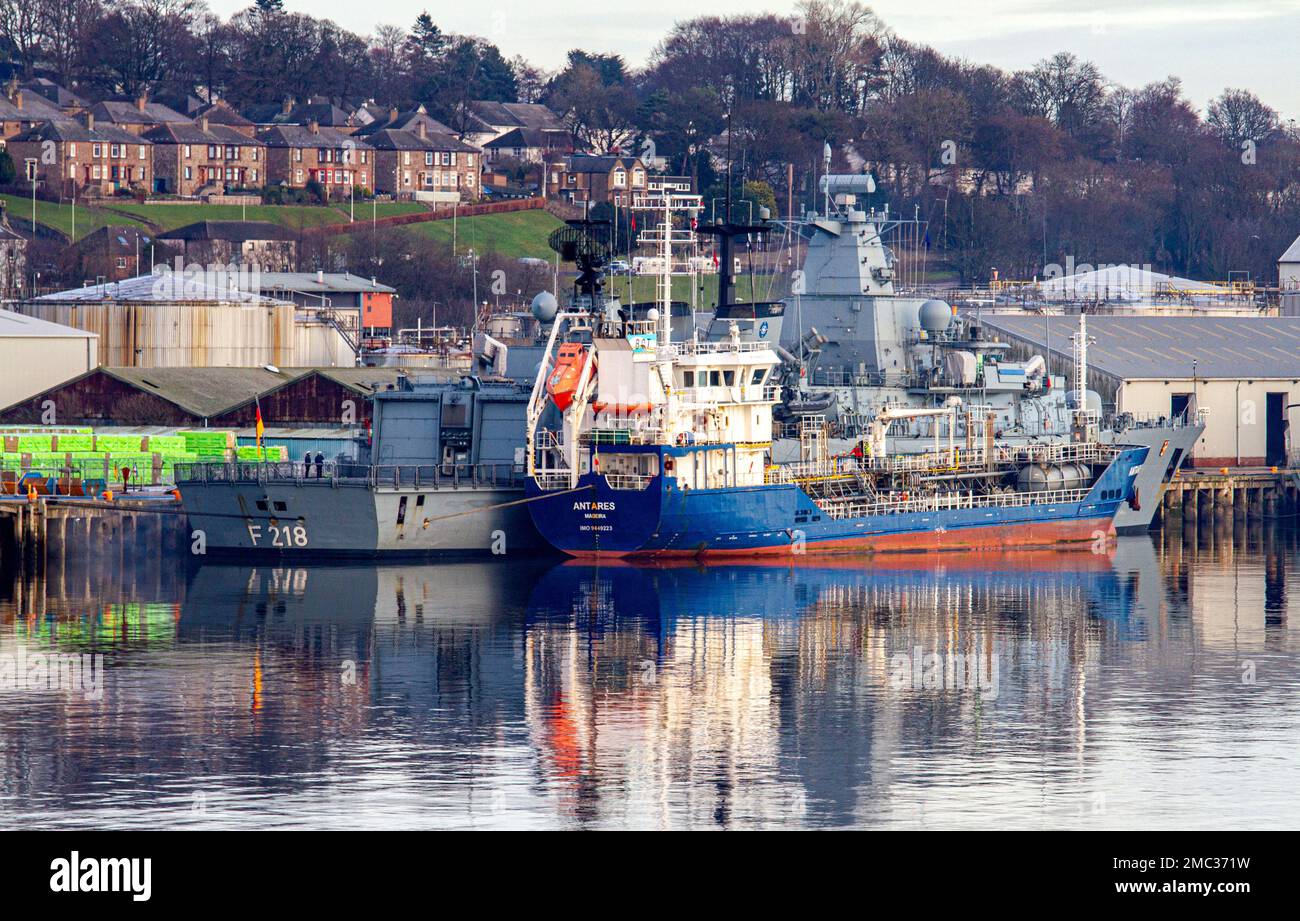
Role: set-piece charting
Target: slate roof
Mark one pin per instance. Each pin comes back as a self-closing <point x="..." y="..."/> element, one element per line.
<point x="301" y="136"/>
<point x="389" y="139"/>
<point x="1148" y="347"/>
<point x="67" y="129"/>
<point x="238" y="231"/>
<point x="125" y="112"/>
<point x="191" y="133"/>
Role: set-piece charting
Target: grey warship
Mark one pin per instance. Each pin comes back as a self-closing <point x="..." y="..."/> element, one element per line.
<point x="855" y="347"/>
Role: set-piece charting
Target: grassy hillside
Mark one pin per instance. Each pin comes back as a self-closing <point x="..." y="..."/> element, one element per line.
<point x="59" y="217"/>
<point x="516" y="233"/>
<point x="295" y="217"/>
<point x="767" y="287"/>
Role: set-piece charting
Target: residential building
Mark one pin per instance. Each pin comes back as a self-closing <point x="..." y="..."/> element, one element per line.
<point x="268" y="246"/>
<point x="136" y="115"/>
<point x="82" y="156"/>
<point x="425" y="165"/>
<point x="297" y="155"/>
<point x="582" y="179"/>
<point x="487" y="120"/>
<point x="189" y="158"/>
<point x="530" y="145"/>
<point x="220" y="113"/>
<point x="22" y="109"/>
<point x="67" y="101"/>
<point x="410" y="120"/>
<point x="113" y="252"/>
<point x="317" y="110"/>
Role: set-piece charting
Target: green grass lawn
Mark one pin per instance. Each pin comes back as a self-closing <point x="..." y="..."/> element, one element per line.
<point x="169" y="217"/>
<point x="59" y="216"/>
<point x="515" y="233"/>
<point x="768" y="288"/>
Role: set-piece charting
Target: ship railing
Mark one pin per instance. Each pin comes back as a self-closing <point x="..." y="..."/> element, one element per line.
<point x="628" y="481"/>
<point x="551" y="479"/>
<point x="831" y="377"/>
<point x="713" y="347"/>
<point x="1002" y="456"/>
<point x="388" y="476"/>
<point x="839" y="508"/>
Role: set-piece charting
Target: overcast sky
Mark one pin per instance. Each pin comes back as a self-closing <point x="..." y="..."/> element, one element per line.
<point x="1210" y="44"/>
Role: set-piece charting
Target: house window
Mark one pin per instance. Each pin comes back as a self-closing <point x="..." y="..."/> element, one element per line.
<point x="469" y="179"/>
<point x="638" y="178"/>
<point x="112" y="151"/>
<point x="141" y="151"/>
<point x="187" y="153"/>
<point x="188" y="173"/>
<point x="72" y="150"/>
<point x="256" y="154"/>
<point x="121" y="262"/>
<point x="72" y="171"/>
<point x="96" y="150"/>
<point x="620" y="178"/>
<point x="428" y="158"/>
<point x="297" y="176"/>
<point x="363" y="177"/>
<point x="31" y="171"/>
<point x="452" y="158"/>
<point x="406" y="158"/>
<point x="469" y="160"/>
<point x="232" y="153"/>
<point x="363" y="156"/>
<point x="297" y="157"/>
<point x="406" y="178"/>
<point x="97" y="172"/>
<point x="255" y="174"/>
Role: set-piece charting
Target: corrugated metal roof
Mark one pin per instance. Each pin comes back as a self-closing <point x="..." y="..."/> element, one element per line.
<point x="164" y="287"/>
<point x="1137" y="347"/>
<point x="306" y="282"/>
<point x="14" y="325"/>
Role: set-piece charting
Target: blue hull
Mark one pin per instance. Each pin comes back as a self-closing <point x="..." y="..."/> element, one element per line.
<point x="664" y="520"/>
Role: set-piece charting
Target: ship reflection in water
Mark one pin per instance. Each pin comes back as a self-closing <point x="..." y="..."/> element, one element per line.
<point x="1152" y="686"/>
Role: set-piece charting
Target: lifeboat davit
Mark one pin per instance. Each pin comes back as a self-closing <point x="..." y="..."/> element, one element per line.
<point x="563" y="382"/>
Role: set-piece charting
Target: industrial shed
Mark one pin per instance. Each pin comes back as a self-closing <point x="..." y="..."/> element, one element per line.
<point x="1244" y="370"/>
<point x="36" y="355"/>
<point x="209" y="397"/>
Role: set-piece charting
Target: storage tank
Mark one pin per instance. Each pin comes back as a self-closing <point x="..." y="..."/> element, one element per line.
<point x="1045" y="477"/>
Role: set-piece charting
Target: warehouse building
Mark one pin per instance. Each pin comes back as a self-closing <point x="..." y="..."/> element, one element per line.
<point x="37" y="355"/>
<point x="209" y="397"/>
<point x="1245" y="371"/>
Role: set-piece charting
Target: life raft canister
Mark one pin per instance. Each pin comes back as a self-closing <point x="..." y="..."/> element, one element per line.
<point x="563" y="382"/>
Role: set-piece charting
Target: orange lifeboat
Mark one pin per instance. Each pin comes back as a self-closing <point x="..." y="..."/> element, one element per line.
<point x="563" y="382"/>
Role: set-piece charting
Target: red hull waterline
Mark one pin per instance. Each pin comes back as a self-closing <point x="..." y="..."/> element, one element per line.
<point x="1033" y="536"/>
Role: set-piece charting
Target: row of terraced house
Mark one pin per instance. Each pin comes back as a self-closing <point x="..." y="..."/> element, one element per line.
<point x="141" y="146"/>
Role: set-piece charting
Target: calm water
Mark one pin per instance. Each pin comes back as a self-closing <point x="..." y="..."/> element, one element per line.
<point x="1156" y="686"/>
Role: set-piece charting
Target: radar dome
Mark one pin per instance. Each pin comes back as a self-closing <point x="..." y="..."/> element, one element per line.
<point x="935" y="316"/>
<point x="545" y="307"/>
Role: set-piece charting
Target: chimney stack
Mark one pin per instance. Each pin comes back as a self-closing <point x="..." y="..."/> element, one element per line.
<point x="392" y="115"/>
<point x="287" y="106"/>
<point x="424" y="131"/>
<point x="142" y="99"/>
<point x="90" y="121"/>
<point x="203" y="123"/>
<point x="313" y="126"/>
